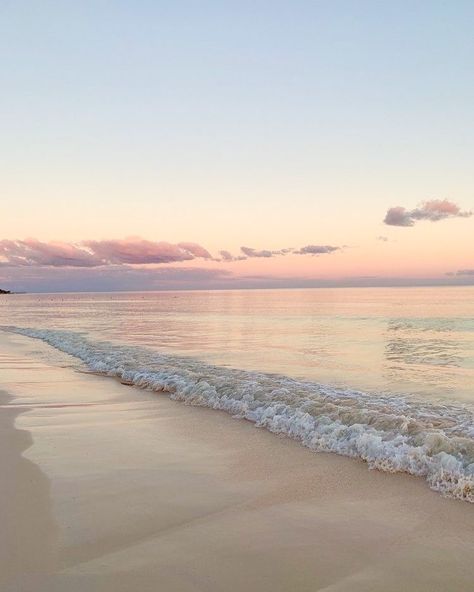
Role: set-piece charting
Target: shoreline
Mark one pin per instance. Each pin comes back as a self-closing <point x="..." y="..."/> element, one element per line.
<point x="21" y="510"/>
<point x="136" y="491"/>
<point x="394" y="434"/>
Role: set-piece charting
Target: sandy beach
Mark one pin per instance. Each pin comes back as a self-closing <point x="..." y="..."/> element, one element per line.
<point x="110" y="488"/>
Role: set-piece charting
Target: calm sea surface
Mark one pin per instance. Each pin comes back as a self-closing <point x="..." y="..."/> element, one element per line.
<point x="386" y="340"/>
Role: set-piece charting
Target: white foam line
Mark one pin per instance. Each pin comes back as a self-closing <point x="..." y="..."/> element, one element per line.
<point x="393" y="434"/>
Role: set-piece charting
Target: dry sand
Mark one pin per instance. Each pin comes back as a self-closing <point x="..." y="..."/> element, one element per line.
<point x="108" y="488"/>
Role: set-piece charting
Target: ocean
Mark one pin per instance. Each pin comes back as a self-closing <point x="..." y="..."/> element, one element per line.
<point x="381" y="374"/>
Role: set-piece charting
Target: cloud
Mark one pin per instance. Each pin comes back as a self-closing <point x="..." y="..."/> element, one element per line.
<point x="227" y="256"/>
<point x="129" y="251"/>
<point x="249" y="252"/>
<point x="317" y="250"/>
<point x="384" y="239"/>
<point x="437" y="209"/>
<point x="195" y="250"/>
<point x="132" y="251"/>
<point x="53" y="254"/>
<point x="434" y="210"/>
<point x="398" y="216"/>
<point x="136" y="251"/>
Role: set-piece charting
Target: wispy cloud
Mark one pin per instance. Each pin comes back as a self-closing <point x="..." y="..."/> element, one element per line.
<point x="434" y="210"/>
<point x="227" y="256"/>
<point x="249" y="252"/>
<point x="307" y="250"/>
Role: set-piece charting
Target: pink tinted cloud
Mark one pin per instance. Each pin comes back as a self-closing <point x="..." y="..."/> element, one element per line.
<point x="195" y="250"/>
<point x="128" y="251"/>
<point x="434" y="210"/>
<point x="137" y="251"/>
<point x="31" y="252"/>
<point x="53" y="254"/>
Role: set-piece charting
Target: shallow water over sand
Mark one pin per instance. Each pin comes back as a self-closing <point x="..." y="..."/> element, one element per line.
<point x="143" y="492"/>
<point x="382" y="375"/>
<point x="394" y="340"/>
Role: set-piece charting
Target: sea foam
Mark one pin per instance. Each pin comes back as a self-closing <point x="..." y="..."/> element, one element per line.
<point x="390" y="433"/>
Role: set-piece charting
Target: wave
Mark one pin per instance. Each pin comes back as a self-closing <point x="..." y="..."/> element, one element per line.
<point x="390" y="433"/>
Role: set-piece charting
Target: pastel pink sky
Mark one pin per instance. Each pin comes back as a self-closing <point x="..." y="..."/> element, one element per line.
<point x="430" y="252"/>
<point x="210" y="127"/>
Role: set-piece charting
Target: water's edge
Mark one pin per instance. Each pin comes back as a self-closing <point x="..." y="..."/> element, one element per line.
<point x="393" y="434"/>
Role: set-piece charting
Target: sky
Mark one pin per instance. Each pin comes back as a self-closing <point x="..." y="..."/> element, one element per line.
<point x="168" y="145"/>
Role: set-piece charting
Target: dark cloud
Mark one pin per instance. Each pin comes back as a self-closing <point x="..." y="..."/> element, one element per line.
<point x="434" y="210"/>
<point x="317" y="250"/>
<point x="465" y="272"/>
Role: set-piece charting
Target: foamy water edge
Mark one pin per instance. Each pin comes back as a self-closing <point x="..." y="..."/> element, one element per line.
<point x="390" y="433"/>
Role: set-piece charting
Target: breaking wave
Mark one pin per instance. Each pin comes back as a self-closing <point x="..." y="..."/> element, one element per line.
<point x="390" y="433"/>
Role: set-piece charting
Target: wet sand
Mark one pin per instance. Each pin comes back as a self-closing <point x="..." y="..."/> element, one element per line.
<point x="109" y="488"/>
